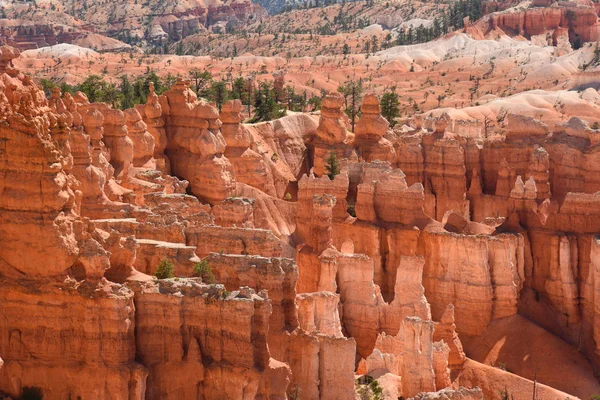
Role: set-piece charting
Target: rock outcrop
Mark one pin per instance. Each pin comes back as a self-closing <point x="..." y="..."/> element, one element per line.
<point x="196" y="145"/>
<point x="369" y="132"/>
<point x="580" y="19"/>
<point x="249" y="166"/>
<point x="239" y="367"/>
<point x="151" y="113"/>
<point x="333" y="135"/>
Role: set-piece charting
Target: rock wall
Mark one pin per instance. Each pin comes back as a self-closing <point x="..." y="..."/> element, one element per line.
<point x="92" y="338"/>
<point x="579" y="18"/>
<point x="201" y="363"/>
<point x="422" y="236"/>
<point x="496" y="227"/>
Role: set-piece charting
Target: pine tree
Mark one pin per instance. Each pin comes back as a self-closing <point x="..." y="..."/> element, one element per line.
<point x="352" y="91"/>
<point x="315" y="102"/>
<point x="110" y="94"/>
<point x="239" y="89"/>
<point x="92" y="86"/>
<point x="218" y="93"/>
<point x="201" y="79"/>
<point x="179" y="49"/>
<point x="127" y="95"/>
<point x="290" y="94"/>
<point x="203" y="270"/>
<point x="333" y="166"/>
<point x="267" y="108"/>
<point x="390" y="106"/>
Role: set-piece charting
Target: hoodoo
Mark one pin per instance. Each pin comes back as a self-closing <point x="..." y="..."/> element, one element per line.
<point x="353" y="201"/>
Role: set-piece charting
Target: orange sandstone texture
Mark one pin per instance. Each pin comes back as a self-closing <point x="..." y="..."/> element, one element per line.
<point x="426" y="239"/>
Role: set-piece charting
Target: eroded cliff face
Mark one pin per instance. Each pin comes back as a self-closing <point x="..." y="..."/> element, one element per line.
<point x="424" y="238"/>
<point x="186" y="353"/>
<point x="577" y="21"/>
<point x="487" y="229"/>
<point x="86" y="205"/>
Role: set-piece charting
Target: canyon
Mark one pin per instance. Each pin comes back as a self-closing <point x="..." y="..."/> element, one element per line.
<point x="451" y="237"/>
<point x="178" y="249"/>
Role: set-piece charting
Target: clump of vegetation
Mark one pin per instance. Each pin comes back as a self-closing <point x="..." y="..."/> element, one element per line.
<point x="369" y="390"/>
<point x="449" y="20"/>
<point x="332" y="166"/>
<point x="390" y="106"/>
<point x="124" y="95"/>
<point x="165" y="269"/>
<point x="203" y="270"/>
<point x="32" y="393"/>
<point x="351" y="210"/>
<point x="265" y="103"/>
<point x="295" y="393"/>
<point x="352" y="91"/>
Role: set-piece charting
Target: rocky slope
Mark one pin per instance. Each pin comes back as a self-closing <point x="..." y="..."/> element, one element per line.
<point x="154" y="22"/>
<point x="319" y="30"/>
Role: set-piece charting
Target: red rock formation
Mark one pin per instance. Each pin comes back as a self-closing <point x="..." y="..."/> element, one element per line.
<point x="369" y="131"/>
<point x="491" y="287"/>
<point x="318" y="313"/>
<point x="332" y="133"/>
<point x="200" y="362"/>
<point x="143" y="141"/>
<point x="196" y="146"/>
<point x="25" y="35"/>
<point x="445" y="330"/>
<point x="99" y="357"/>
<point x="409" y="354"/>
<point x="38" y="200"/>
<point x="88" y="336"/>
<point x="451" y="394"/>
<point x="275" y="275"/>
<point x="310" y="186"/>
<point x="248" y="165"/>
<point x="41" y="222"/>
<point x="235" y="212"/>
<point x="486" y="229"/>
<point x="379" y="184"/>
<point x="151" y="113"/>
<point x="118" y="144"/>
<point x="579" y="18"/>
<point x="409" y="299"/>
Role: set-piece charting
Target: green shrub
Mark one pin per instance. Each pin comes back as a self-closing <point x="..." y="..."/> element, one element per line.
<point x="332" y="165"/>
<point x="203" y="270"/>
<point x="165" y="269"/>
<point x="369" y="389"/>
<point x="32" y="393"/>
<point x="351" y="210"/>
